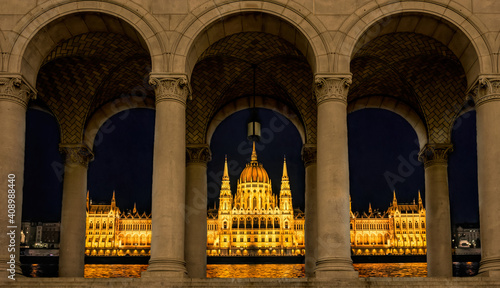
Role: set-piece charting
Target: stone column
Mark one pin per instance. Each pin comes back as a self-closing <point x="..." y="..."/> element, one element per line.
<point x="14" y="96"/>
<point x="169" y="177"/>
<point x="73" y="210"/>
<point x="488" y="169"/>
<point x="333" y="240"/>
<point x="437" y="205"/>
<point x="196" y="210"/>
<point x="311" y="224"/>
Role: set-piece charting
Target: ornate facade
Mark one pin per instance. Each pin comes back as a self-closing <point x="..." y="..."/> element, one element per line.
<point x="111" y="232"/>
<point x="255" y="222"/>
<point x="398" y="231"/>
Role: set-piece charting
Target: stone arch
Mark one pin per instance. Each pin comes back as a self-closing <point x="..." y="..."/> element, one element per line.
<point x="212" y="22"/>
<point x="471" y="32"/>
<point x="109" y="110"/>
<point x="26" y="55"/>
<point x="396" y="106"/>
<point x="260" y="102"/>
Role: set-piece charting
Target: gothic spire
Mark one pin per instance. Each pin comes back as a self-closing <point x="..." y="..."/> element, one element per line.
<point x="370" y="208"/>
<point x="254" y="153"/>
<point x="135" y="209"/>
<point x="225" y="177"/>
<point x="394" y="200"/>
<point x="285" y="172"/>
<point x="113" y="200"/>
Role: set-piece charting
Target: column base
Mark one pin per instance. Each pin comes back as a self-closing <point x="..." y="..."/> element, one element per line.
<point x="330" y="268"/>
<point x="165" y="268"/>
<point x="489" y="267"/>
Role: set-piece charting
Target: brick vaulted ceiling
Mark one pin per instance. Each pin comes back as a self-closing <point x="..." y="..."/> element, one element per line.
<point x="416" y="69"/>
<point x="86" y="71"/>
<point x="224" y="73"/>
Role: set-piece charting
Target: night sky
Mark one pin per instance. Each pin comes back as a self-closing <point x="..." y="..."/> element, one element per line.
<point x="382" y="157"/>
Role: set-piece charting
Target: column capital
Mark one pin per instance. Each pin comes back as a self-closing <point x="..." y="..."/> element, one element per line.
<point x="435" y="154"/>
<point x="486" y="89"/>
<point x="198" y="153"/>
<point x="170" y="87"/>
<point x="16" y="89"/>
<point x="332" y="87"/>
<point x="309" y="154"/>
<point x="76" y="154"/>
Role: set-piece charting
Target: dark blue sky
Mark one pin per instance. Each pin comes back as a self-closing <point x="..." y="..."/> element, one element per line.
<point x="382" y="156"/>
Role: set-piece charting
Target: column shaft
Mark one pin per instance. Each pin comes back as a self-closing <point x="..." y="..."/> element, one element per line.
<point x="196" y="211"/>
<point x="311" y="224"/>
<point x="169" y="179"/>
<point x="488" y="162"/>
<point x="73" y="211"/>
<point x="437" y="202"/>
<point x="14" y="97"/>
<point x="333" y="240"/>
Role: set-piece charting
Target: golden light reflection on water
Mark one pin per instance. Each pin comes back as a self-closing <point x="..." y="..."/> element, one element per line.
<point x="391" y="269"/>
<point x="263" y="270"/>
<point x="255" y="271"/>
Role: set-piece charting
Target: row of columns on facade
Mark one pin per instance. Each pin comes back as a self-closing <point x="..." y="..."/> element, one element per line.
<point x="179" y="195"/>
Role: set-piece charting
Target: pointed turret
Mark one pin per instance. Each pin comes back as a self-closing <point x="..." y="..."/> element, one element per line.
<point x="420" y="204"/>
<point x="285" y="192"/>
<point x="254" y="154"/>
<point x="225" y="198"/>
<point x="88" y="201"/>
<point x="113" y="200"/>
<point x="225" y="177"/>
<point x="285" y="172"/>
<point x="394" y="200"/>
<point x="135" y="209"/>
<point x="370" y="208"/>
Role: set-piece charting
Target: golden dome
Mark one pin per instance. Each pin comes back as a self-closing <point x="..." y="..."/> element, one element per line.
<point x="254" y="171"/>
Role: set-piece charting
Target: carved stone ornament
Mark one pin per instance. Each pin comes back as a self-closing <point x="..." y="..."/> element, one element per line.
<point x="76" y="154"/>
<point x="435" y="154"/>
<point x="198" y="154"/>
<point x="16" y="90"/>
<point x="486" y="90"/>
<point x="171" y="88"/>
<point x="309" y="152"/>
<point x="332" y="88"/>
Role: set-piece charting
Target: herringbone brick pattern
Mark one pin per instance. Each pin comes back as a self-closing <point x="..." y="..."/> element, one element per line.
<point x="83" y="73"/>
<point x="417" y="69"/>
<point x="225" y="73"/>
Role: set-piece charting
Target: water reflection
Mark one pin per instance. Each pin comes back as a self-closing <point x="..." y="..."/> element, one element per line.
<point x="391" y="269"/>
<point x="255" y="271"/>
<point x="461" y="269"/>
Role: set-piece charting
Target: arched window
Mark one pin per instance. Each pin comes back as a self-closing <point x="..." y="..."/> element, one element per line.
<point x="235" y="223"/>
<point x="97" y="225"/>
<point x="242" y="223"/>
<point x="416" y="224"/>
<point x="91" y="225"/>
<point x="423" y="225"/>
<point x="269" y="223"/>
<point x="248" y="223"/>
<point x="262" y="223"/>
<point x="410" y="225"/>
<point x="103" y="225"/>
<point x="397" y="225"/>
<point x="286" y="224"/>
<point x="225" y="225"/>
<point x="255" y="223"/>
<point x="404" y="225"/>
<point x="276" y="223"/>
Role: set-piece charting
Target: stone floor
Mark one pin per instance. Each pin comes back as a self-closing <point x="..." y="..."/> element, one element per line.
<point x="253" y="282"/>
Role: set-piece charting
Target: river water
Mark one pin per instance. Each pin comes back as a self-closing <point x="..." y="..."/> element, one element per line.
<point x="460" y="269"/>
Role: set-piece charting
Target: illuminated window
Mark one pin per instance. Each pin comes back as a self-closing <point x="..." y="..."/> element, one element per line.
<point x="225" y="225"/>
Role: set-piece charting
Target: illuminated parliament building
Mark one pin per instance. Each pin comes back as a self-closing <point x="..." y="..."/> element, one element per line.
<point x="257" y="222"/>
<point x="111" y="232"/>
